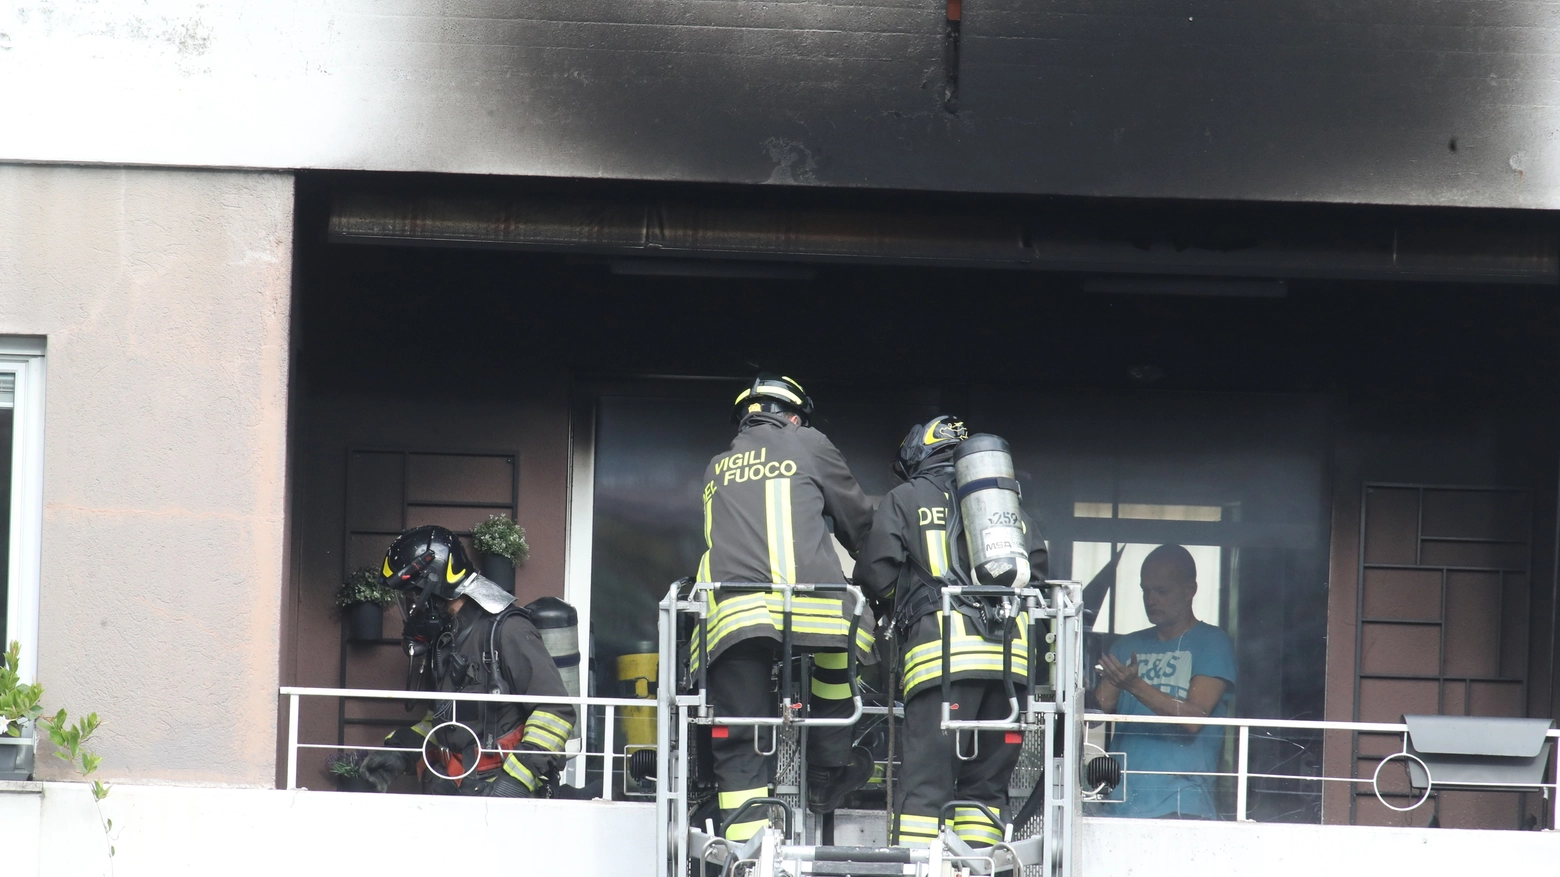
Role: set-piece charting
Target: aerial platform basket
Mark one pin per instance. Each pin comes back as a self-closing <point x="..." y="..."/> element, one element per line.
<point x="793" y="843"/>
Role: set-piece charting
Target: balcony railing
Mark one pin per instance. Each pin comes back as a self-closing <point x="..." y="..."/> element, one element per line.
<point x="603" y="712"/>
<point x="586" y="707"/>
<point x="1243" y="775"/>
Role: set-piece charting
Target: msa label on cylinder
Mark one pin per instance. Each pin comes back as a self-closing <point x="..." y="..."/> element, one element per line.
<point x="996" y="541"/>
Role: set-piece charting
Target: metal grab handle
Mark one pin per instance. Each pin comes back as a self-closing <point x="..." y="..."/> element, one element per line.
<point x="948" y="722"/>
<point x="1011" y="723"/>
<point x="754" y="803"/>
<point x="774" y="742"/>
<point x="958" y="750"/>
<point x="766" y="721"/>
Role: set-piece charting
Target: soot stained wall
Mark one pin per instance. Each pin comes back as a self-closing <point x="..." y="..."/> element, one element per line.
<point x="1423" y="102"/>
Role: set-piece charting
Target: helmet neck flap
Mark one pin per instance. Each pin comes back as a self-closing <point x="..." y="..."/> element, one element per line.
<point x="928" y="447"/>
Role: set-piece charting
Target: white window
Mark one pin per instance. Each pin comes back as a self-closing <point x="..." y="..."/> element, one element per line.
<point x="21" y="493"/>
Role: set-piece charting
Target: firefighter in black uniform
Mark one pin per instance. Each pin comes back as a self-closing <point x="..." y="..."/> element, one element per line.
<point x="471" y="638"/>
<point x="906" y="559"/>
<point x="765" y="500"/>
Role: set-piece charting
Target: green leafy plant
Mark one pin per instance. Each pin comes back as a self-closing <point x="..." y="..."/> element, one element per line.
<point x="364" y="586"/>
<point x="70" y="740"/>
<point x="20" y="704"/>
<point x="18" y="700"/>
<point x="500" y="536"/>
<point x="346" y="764"/>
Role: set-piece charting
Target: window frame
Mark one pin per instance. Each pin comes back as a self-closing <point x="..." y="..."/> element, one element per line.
<point x="23" y="357"/>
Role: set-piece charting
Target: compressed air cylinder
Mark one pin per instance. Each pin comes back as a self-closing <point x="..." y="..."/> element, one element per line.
<point x="988" y="497"/>
<point x="559" y="626"/>
<point x="636" y="672"/>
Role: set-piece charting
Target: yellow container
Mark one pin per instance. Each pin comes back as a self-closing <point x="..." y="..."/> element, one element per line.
<point x="636" y="675"/>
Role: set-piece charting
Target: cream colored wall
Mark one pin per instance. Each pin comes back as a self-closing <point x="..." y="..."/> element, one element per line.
<point x="164" y="296"/>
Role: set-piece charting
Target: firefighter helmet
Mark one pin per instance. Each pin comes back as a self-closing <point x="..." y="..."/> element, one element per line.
<point x="771" y="392"/>
<point x="935" y="438"/>
<point x="430" y="559"/>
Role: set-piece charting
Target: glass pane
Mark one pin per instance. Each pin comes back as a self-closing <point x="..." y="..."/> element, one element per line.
<point x="1241" y="482"/>
<point x="6" y="421"/>
<point x="648" y="527"/>
<point x="1123" y="609"/>
<point x="7" y="390"/>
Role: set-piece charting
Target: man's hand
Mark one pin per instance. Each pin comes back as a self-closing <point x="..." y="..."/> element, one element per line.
<point x="1121" y="676"/>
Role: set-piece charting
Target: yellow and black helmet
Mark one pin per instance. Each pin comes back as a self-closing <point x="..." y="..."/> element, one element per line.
<point x="771" y="392"/>
<point x="429" y="559"/>
<point x="935" y="438"/>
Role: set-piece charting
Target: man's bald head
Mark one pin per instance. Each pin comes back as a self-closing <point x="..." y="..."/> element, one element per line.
<point x="1174" y="561"/>
<point x="1169" y="579"/>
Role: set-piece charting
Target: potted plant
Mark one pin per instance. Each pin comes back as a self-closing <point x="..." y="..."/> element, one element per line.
<point x="346" y="769"/>
<point x="362" y="599"/>
<point x="501" y="544"/>
<point x="21" y="714"/>
<point x="19" y="710"/>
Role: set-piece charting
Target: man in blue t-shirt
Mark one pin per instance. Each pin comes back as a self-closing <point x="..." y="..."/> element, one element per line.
<point x="1178" y="667"/>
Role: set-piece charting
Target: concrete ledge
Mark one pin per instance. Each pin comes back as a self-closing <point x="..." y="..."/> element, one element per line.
<point x="171" y="830"/>
<point x="1189" y="848"/>
<point x="21" y="822"/>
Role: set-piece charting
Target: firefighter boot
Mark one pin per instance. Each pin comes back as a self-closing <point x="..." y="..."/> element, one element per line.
<point x="828" y="786"/>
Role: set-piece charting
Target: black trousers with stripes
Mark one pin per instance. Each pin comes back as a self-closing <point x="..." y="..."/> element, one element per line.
<point x="740" y="685"/>
<point x="931" y="774"/>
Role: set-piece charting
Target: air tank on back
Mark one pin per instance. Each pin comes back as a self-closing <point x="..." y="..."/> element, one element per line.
<point x="559" y="626"/>
<point x="988" y="496"/>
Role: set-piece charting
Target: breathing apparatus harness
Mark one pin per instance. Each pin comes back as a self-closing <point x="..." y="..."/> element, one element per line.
<point x="918" y="592"/>
<point x="445" y="660"/>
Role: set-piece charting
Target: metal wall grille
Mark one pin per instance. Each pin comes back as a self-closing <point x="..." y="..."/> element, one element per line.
<point x="1442" y="603"/>
<point x="387" y="492"/>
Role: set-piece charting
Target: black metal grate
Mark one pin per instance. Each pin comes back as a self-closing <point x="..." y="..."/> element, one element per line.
<point x="371" y="503"/>
<point x="1442" y="604"/>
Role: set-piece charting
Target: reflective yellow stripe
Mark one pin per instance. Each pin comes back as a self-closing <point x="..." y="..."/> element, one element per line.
<point x="832" y="660"/>
<point x="815" y="616"/>
<point x="514" y="768"/>
<point x="937" y="551"/>
<point x="961" y="665"/>
<point x="838" y="662"/>
<point x="969" y="653"/>
<point x="546" y="730"/>
<point x="741" y="831"/>
<point x="554" y="722"/>
<point x="917" y="831"/>
<point x="730" y="802"/>
<point x="733" y="800"/>
<point x="831" y="690"/>
<point x="777" y="516"/>
<point x="973" y="827"/>
<point x="709" y="544"/>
